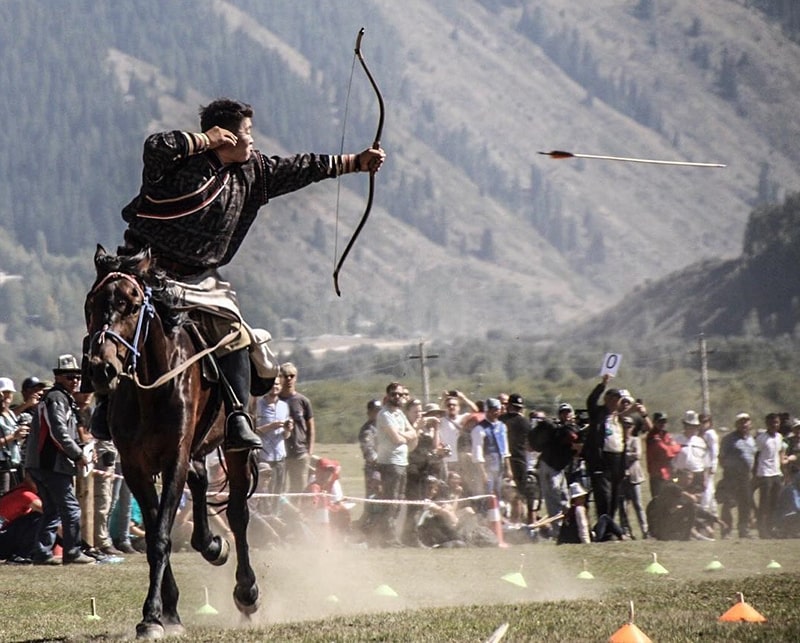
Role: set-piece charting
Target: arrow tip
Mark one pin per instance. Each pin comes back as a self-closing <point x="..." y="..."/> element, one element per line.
<point x="558" y="154"/>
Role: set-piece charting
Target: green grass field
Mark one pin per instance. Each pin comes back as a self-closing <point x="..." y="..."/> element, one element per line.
<point x="351" y="594"/>
<point x="448" y="595"/>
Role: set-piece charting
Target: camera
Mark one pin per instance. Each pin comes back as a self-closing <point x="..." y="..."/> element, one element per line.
<point x="452" y="393"/>
<point x="24" y="419"/>
<point x="581" y="417"/>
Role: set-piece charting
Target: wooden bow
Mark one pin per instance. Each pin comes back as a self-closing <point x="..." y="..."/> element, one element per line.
<point x="376" y="145"/>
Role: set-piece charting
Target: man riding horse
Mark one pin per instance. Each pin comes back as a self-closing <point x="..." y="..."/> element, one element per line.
<point x="200" y="194"/>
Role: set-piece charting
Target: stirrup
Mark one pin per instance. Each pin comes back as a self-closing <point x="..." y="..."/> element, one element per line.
<point x="239" y="434"/>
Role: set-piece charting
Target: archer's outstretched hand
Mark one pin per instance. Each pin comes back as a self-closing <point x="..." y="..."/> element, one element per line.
<point x="370" y="160"/>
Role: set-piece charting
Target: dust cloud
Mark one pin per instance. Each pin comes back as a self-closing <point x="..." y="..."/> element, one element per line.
<point x="306" y="583"/>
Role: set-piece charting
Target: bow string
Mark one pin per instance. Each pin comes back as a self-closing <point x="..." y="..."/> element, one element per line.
<point x="375" y="145"/>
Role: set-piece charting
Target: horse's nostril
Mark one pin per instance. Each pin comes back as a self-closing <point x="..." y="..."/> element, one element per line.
<point x="109" y="372"/>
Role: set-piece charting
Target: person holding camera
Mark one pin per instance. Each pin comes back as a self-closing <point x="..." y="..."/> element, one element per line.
<point x="555" y="460"/>
<point x="274" y="425"/>
<point x="12" y="433"/>
<point x="424" y="462"/>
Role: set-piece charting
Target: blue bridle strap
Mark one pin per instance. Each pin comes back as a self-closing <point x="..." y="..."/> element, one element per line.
<point x="146" y="313"/>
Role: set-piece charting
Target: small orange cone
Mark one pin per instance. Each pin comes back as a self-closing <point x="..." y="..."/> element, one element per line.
<point x="741" y="612"/>
<point x="495" y="520"/>
<point x="629" y="633"/>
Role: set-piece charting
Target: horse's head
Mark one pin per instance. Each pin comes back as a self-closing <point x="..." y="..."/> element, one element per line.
<point x="114" y="311"/>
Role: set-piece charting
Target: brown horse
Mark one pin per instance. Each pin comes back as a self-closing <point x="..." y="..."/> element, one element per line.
<point x="164" y="418"/>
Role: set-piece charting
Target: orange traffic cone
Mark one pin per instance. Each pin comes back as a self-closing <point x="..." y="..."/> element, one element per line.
<point x="495" y="520"/>
<point x="741" y="612"/>
<point x="629" y="633"/>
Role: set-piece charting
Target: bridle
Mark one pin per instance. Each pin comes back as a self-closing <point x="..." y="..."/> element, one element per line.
<point x="146" y="313"/>
<point x="133" y="352"/>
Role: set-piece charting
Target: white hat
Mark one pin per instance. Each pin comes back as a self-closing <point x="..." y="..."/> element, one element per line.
<point x="691" y="418"/>
<point x="576" y="491"/>
<point x="7" y="384"/>
<point x="625" y="394"/>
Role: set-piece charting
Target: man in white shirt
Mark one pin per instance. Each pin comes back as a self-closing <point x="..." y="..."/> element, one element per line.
<point x="692" y="457"/>
<point x="711" y="437"/>
<point x="770" y="458"/>
<point x="451" y="426"/>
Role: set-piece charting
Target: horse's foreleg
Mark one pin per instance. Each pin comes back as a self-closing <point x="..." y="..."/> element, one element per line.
<point x="214" y="549"/>
<point x="160" y="609"/>
<point x="245" y="594"/>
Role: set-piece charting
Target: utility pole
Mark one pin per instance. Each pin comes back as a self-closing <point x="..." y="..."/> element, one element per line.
<point x="703" y="351"/>
<point x="423" y="360"/>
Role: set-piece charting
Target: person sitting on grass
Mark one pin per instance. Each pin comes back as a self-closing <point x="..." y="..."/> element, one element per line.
<point x="575" y="525"/>
<point x="439" y="521"/>
<point x="20" y="513"/>
<point x="675" y="514"/>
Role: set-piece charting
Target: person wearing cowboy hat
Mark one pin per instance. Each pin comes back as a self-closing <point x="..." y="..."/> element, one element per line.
<point x="52" y="459"/>
<point x="691" y="460"/>
<point x="575" y="526"/>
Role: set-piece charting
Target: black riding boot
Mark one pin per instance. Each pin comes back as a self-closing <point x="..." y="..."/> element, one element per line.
<point x="239" y="434"/>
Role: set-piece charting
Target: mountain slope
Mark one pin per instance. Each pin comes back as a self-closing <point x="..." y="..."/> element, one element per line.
<point x="471" y="230"/>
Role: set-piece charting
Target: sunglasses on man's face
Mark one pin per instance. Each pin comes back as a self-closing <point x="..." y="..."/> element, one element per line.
<point x="72" y="378"/>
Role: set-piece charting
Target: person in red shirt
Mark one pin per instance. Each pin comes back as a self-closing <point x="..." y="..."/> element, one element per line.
<point x="661" y="449"/>
<point x="20" y="512"/>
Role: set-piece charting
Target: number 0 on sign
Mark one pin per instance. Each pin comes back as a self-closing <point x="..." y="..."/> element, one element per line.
<point x="610" y="364"/>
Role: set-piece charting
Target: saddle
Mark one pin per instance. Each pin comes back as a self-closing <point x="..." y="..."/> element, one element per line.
<point x="259" y="385"/>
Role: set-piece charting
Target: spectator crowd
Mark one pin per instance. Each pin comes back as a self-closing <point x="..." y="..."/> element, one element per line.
<point x="455" y="472"/>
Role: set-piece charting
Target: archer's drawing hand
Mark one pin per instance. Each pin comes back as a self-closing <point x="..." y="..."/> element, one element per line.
<point x="218" y="136"/>
<point x="370" y="160"/>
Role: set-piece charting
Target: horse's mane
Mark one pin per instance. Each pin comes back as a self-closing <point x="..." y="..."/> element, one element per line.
<point x="164" y="299"/>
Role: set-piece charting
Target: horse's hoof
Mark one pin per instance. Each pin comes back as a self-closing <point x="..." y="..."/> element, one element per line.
<point x="250" y="604"/>
<point x="149" y="631"/>
<point x="224" y="551"/>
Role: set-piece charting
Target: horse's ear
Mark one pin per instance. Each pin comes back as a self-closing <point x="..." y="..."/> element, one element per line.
<point x="145" y="261"/>
<point x="99" y="253"/>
